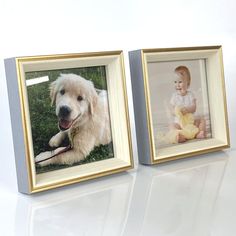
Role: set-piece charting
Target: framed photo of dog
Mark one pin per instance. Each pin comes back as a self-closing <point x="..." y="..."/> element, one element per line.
<point x="179" y="102"/>
<point x="70" y="118"/>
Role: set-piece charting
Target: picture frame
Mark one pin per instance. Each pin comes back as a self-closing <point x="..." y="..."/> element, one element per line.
<point x="168" y="83"/>
<point x="85" y="132"/>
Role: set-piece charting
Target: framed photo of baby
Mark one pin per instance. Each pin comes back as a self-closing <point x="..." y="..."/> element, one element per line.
<point x="179" y="102"/>
<point x="183" y="114"/>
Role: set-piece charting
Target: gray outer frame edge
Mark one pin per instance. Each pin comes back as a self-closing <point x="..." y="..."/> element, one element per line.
<point x="16" y="122"/>
<point x="140" y="110"/>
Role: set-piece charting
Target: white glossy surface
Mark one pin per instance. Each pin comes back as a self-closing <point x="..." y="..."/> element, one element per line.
<point x="187" y="197"/>
<point x="194" y="197"/>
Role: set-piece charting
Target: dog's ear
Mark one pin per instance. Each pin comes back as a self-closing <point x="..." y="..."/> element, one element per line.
<point x="53" y="92"/>
<point x="93" y="97"/>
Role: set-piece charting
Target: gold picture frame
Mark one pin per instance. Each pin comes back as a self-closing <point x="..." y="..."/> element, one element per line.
<point x="151" y="73"/>
<point x="19" y="69"/>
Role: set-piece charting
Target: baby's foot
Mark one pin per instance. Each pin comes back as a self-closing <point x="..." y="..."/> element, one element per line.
<point x="181" y="138"/>
<point x="201" y="135"/>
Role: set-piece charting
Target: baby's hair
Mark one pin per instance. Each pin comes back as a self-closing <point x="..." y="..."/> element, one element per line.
<point x="184" y="72"/>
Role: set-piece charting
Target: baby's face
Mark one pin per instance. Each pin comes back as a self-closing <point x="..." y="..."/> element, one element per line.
<point x="181" y="85"/>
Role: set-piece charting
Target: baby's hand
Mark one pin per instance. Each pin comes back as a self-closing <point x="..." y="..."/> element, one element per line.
<point x="184" y="110"/>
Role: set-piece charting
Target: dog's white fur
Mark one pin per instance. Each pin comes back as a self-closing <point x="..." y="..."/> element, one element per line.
<point x="91" y="124"/>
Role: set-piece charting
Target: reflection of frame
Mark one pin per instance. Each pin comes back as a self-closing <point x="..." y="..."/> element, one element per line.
<point x="176" y="199"/>
<point x="96" y="203"/>
<point x="177" y="112"/>
<point x="66" y="110"/>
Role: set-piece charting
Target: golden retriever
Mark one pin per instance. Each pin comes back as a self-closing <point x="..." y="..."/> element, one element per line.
<point x="82" y="114"/>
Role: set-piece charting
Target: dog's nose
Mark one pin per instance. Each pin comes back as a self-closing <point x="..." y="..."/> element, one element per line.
<point x="64" y="112"/>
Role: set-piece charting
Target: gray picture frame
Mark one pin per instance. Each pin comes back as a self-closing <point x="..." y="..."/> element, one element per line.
<point x="139" y="60"/>
<point x="28" y="180"/>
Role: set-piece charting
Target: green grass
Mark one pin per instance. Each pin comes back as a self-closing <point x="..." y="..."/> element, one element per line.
<point x="99" y="153"/>
<point x="44" y="120"/>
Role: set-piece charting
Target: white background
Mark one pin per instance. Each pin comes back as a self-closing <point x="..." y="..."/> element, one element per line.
<point x="189" y="197"/>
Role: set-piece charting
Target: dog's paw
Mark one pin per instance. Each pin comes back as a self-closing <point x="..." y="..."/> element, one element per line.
<point x="54" y="141"/>
<point x="42" y="159"/>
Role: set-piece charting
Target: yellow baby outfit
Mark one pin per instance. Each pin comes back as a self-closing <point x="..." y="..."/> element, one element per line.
<point x="188" y="129"/>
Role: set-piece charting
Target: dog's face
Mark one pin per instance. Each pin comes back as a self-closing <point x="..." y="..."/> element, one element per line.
<point x="75" y="99"/>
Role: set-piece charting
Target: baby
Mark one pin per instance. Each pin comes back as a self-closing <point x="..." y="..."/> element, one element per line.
<point x="186" y="100"/>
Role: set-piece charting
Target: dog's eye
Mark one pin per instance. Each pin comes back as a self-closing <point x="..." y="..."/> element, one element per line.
<point x="62" y="92"/>
<point x="79" y="98"/>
